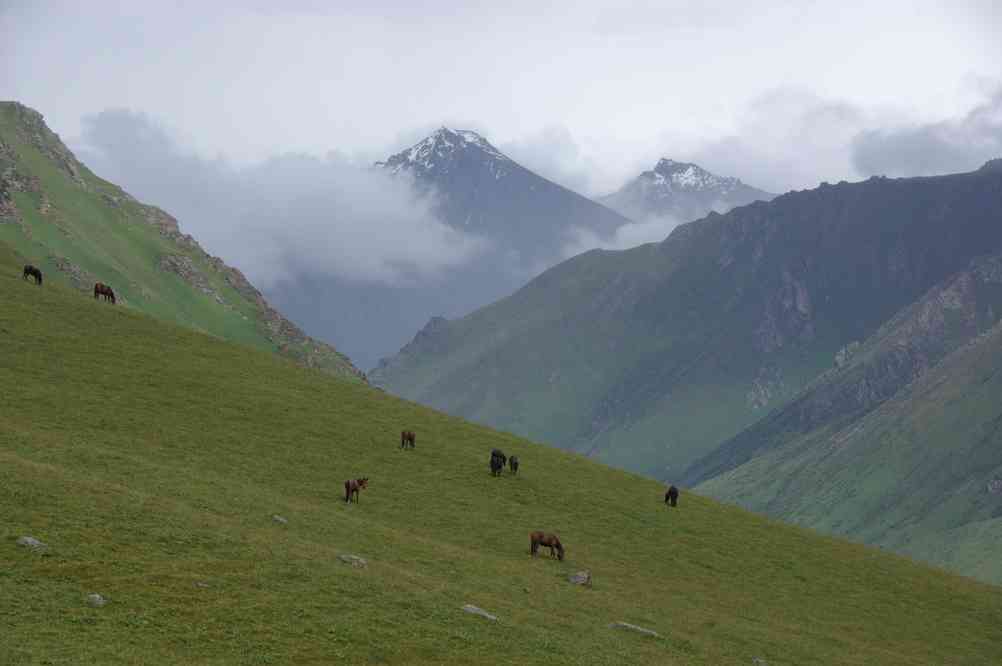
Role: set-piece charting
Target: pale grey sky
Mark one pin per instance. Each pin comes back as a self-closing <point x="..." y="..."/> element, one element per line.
<point x="781" y="94"/>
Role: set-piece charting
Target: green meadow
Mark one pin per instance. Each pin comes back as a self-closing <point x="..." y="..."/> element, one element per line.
<point x="151" y="460"/>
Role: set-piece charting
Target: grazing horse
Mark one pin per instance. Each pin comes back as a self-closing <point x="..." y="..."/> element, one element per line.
<point x="101" y="289"/>
<point x="498" y="461"/>
<point x="551" y="541"/>
<point x="671" y="497"/>
<point x="352" y="486"/>
<point x="34" y="273"/>
<point x="513" y="464"/>
<point x="407" y="439"/>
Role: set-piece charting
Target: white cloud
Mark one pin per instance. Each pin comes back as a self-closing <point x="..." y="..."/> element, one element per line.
<point x="288" y="216"/>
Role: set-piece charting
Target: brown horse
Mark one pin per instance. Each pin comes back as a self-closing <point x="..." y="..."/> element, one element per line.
<point x="407" y="439"/>
<point x="551" y="541"/>
<point x="101" y="289"/>
<point x="352" y="486"/>
<point x="671" y="497"/>
<point x="34" y="273"/>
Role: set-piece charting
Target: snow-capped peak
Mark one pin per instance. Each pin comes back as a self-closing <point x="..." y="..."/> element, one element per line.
<point x="674" y="176"/>
<point x="439" y="149"/>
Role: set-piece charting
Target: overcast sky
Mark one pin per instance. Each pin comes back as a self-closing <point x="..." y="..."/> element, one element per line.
<point x="780" y="94"/>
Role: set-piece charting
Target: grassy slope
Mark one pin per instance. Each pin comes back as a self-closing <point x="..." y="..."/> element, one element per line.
<point x="150" y="457"/>
<point x="106" y="233"/>
<point x="911" y="475"/>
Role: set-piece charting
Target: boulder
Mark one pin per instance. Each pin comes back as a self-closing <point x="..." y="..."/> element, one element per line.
<point x="353" y="560"/>
<point x="474" y="610"/>
<point x="633" y="627"/>
<point x="30" y="542"/>
<point x="580" y="578"/>
<point x="95" y="600"/>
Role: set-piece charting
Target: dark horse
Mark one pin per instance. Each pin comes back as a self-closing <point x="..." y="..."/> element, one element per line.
<point x="671" y="497"/>
<point x="101" y="289"/>
<point x="513" y="464"/>
<point x="498" y="460"/>
<point x="551" y="541"/>
<point x="407" y="439"/>
<point x="33" y="272"/>
<point x="352" y="486"/>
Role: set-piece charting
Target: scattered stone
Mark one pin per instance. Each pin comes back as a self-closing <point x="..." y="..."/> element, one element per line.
<point x="580" y="578"/>
<point x="280" y="519"/>
<point x="30" y="542"/>
<point x="995" y="487"/>
<point x="473" y="610"/>
<point x="202" y="584"/>
<point x="353" y="560"/>
<point x="95" y="600"/>
<point x="759" y="661"/>
<point x="633" y="627"/>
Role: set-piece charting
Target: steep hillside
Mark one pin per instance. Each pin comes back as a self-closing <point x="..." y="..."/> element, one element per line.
<point x="682" y="191"/>
<point x="153" y="479"/>
<point x="80" y="229"/>
<point x="901" y="444"/>
<point x="650" y="358"/>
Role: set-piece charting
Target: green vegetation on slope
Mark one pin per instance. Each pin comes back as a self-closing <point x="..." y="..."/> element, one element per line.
<point x="80" y="229"/>
<point x="151" y="459"/>
<point x="652" y="357"/>
<point x="900" y="447"/>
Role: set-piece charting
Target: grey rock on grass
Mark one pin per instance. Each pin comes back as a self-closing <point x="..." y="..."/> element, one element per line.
<point x="580" y="578"/>
<point x="30" y="542"/>
<point x="280" y="519"/>
<point x="633" y="627"/>
<point x="474" y="610"/>
<point x="354" y="560"/>
<point x="95" y="600"/>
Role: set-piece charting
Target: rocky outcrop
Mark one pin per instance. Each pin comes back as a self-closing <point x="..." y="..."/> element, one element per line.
<point x="79" y="278"/>
<point x="31" y="127"/>
<point x="185" y="268"/>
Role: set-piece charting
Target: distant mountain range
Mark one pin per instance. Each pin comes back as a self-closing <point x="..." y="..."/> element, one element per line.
<point x="827" y="356"/>
<point x="682" y="191"/>
<point x="527" y="221"/>
<point x="482" y="190"/>
<point x="81" y="229"/>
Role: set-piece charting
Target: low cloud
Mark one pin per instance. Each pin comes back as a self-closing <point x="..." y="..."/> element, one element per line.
<point x="787" y="138"/>
<point x="291" y="215"/>
<point x="650" y="230"/>
<point x="949" y="146"/>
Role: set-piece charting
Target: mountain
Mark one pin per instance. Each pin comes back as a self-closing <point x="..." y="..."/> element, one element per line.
<point x="526" y="221"/>
<point x="80" y="229"/>
<point x="650" y="358"/>
<point x="199" y="491"/>
<point x="682" y="191"/>
<point x="482" y="190"/>
<point x="899" y="444"/>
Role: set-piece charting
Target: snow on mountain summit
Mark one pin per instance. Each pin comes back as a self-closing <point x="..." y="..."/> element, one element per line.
<point x="441" y="150"/>
<point x="682" y="190"/>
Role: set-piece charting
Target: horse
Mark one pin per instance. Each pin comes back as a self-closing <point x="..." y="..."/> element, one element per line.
<point x="671" y="497"/>
<point x="551" y="541"/>
<point x="513" y="464"/>
<point x="352" y="486"/>
<point x="34" y="273"/>
<point x="498" y="461"/>
<point x="407" y="439"/>
<point x="101" y="289"/>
